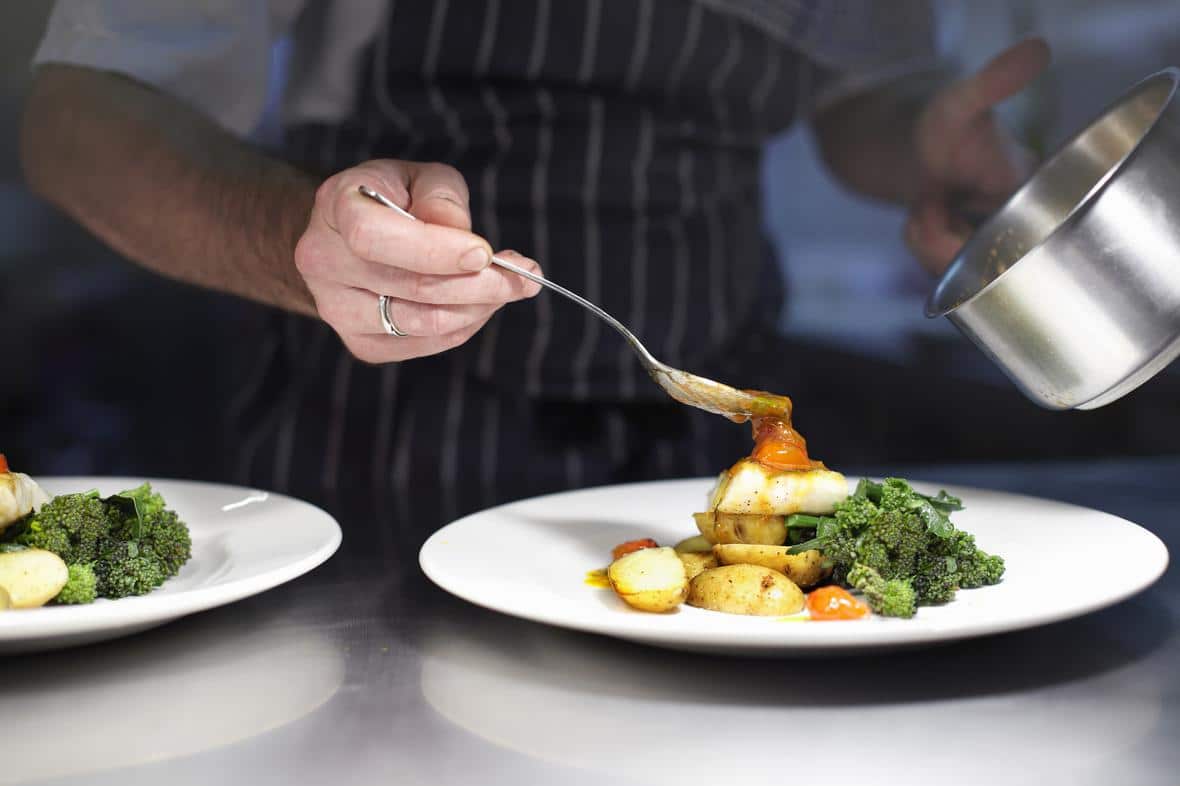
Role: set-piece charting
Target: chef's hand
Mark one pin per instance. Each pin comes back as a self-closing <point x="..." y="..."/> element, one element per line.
<point x="965" y="158"/>
<point x="438" y="275"/>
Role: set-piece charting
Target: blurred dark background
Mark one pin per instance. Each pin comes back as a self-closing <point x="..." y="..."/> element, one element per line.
<point x="108" y="369"/>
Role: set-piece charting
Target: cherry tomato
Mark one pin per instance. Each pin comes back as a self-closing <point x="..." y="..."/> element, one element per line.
<point x="633" y="545"/>
<point x="834" y="603"/>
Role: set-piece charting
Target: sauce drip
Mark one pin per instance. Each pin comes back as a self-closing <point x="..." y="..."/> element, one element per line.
<point x="777" y="444"/>
<point x="834" y="603"/>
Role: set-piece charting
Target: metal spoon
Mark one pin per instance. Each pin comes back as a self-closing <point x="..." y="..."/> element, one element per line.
<point x="684" y="387"/>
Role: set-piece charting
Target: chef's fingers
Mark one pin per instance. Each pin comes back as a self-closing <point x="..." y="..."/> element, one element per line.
<point x="961" y="104"/>
<point x="354" y="311"/>
<point x="391" y="349"/>
<point x="932" y="234"/>
<point x="376" y="233"/>
<point x="328" y="258"/>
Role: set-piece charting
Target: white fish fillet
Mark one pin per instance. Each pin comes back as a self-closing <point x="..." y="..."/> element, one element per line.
<point x="19" y="496"/>
<point x="750" y="487"/>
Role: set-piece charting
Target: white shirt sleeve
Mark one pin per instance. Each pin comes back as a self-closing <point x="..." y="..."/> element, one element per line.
<point x="213" y="54"/>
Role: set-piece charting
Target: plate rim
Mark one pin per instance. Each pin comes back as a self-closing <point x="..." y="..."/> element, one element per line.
<point x="744" y="641"/>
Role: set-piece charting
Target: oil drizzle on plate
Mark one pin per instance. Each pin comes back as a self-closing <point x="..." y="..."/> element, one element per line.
<point x="597" y="578"/>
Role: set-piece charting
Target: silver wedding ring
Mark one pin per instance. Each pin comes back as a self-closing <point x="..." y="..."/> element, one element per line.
<point x="386" y="320"/>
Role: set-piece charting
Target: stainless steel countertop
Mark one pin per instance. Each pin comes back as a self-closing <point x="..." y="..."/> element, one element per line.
<point x="364" y="672"/>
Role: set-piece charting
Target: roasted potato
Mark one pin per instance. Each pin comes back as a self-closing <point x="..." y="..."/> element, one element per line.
<point x="806" y="569"/>
<point x="742" y="528"/>
<point x="696" y="543"/>
<point x="650" y="579"/>
<point x="32" y="577"/>
<point x="745" y="589"/>
<point x="696" y="561"/>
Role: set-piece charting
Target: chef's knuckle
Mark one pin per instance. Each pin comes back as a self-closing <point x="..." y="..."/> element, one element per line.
<point x="359" y="235"/>
<point x="311" y="257"/>
<point x="421" y="288"/>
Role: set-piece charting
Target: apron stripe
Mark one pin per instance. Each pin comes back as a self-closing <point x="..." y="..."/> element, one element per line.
<point x="639" y="50"/>
<point x="691" y="39"/>
<point x="719" y="301"/>
<point x="540" y="217"/>
<point x="452" y="434"/>
<point x="593" y="249"/>
<point x="489" y="223"/>
<point x="338" y="420"/>
<point x="288" y="430"/>
<point x="383" y="433"/>
<point x="385" y="104"/>
<point x="489" y="450"/>
<point x="682" y="262"/>
<point x="590" y="42"/>
<point x="451" y="122"/>
<point x="487" y="38"/>
<point x="637" y="320"/>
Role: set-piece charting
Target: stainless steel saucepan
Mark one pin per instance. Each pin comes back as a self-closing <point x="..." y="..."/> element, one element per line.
<point x="1073" y="286"/>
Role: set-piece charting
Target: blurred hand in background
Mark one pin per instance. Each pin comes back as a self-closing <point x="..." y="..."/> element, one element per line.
<point x="968" y="163"/>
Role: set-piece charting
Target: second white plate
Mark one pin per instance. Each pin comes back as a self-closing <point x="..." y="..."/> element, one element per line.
<point x="244" y="542"/>
<point x="530" y="559"/>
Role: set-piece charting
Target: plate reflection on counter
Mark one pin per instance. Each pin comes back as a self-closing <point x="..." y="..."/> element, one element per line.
<point x="615" y="708"/>
<point x="181" y="690"/>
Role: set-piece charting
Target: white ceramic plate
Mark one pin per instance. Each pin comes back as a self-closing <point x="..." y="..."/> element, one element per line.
<point x="530" y="559"/>
<point x="245" y="541"/>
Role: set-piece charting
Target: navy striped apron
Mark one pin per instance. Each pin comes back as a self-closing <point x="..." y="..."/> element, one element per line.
<point x="618" y="142"/>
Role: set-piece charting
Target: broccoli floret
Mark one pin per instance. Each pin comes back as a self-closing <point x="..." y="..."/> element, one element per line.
<point x="976" y="568"/>
<point x="854" y="514"/>
<point x="129" y="569"/>
<point x="936" y="579"/>
<point x="72" y="526"/>
<point x="896" y="494"/>
<point x="984" y="570"/>
<point x="889" y="598"/>
<point x="81" y="586"/>
<point x="892" y="543"/>
<point x="168" y="538"/>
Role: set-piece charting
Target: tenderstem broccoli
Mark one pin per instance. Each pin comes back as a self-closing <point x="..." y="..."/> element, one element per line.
<point x="81" y="586"/>
<point x="899" y="547"/>
<point x="126" y="544"/>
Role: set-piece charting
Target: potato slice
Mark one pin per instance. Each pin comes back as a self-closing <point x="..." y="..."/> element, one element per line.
<point x="650" y="579"/>
<point x="32" y="577"/>
<point x="742" y="528"/>
<point x="697" y="543"/>
<point x="806" y="569"/>
<point x="697" y="561"/>
<point x="745" y="589"/>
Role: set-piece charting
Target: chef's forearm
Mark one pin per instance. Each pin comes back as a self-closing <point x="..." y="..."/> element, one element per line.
<point x="166" y="187"/>
<point x="867" y="142"/>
